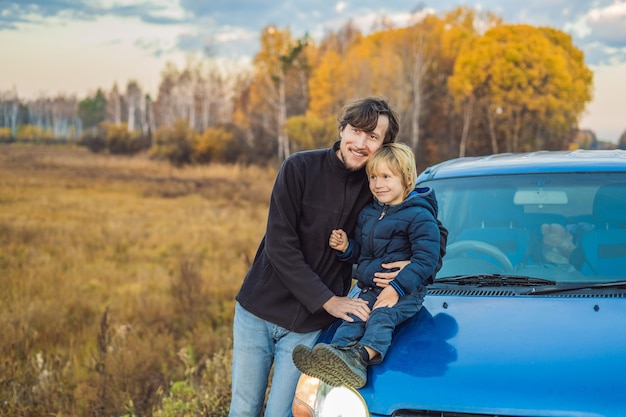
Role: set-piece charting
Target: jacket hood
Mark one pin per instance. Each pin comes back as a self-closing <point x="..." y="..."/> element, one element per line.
<point x="420" y="196"/>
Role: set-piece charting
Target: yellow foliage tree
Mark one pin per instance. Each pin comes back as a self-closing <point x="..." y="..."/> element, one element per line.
<point x="327" y="86"/>
<point x="34" y="133"/>
<point x="311" y="132"/>
<point x="370" y="67"/>
<point x="175" y="143"/>
<point x="522" y="83"/>
<point x="418" y="47"/>
<point x="403" y="64"/>
<point x="278" y="67"/>
<point x="210" y="145"/>
<point x="578" y="92"/>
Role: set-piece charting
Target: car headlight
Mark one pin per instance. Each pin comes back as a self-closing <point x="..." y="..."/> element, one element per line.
<point x="316" y="399"/>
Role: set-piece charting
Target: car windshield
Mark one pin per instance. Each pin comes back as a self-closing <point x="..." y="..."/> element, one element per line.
<point x="559" y="226"/>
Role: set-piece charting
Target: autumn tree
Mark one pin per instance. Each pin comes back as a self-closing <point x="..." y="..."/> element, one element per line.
<point x="9" y="108"/>
<point x="341" y="40"/>
<point x="329" y="83"/>
<point x="176" y="99"/>
<point x="57" y="115"/>
<point x="462" y="83"/>
<point x="201" y="93"/>
<point x="32" y="133"/>
<point x="279" y="88"/>
<point x="211" y="145"/>
<point x="114" y="105"/>
<point x="327" y="86"/>
<point x="418" y="46"/>
<point x="136" y="106"/>
<point x="121" y="140"/>
<point x="175" y="143"/>
<point x="447" y="121"/>
<point x="522" y="81"/>
<point x="311" y="132"/>
<point x="215" y="93"/>
<point x="369" y="66"/>
<point x="374" y="68"/>
<point x="408" y="65"/>
<point x="565" y="113"/>
<point x="165" y="105"/>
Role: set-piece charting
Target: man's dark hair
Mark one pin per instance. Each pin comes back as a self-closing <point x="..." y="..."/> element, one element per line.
<point x="363" y="114"/>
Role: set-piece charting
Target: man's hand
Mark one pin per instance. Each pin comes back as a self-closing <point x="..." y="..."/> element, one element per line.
<point x="382" y="279"/>
<point x="388" y="297"/>
<point x="340" y="307"/>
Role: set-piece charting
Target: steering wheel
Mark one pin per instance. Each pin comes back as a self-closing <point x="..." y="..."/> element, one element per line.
<point x="457" y="249"/>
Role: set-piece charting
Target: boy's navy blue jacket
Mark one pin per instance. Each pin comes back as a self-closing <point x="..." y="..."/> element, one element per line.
<point x="385" y="233"/>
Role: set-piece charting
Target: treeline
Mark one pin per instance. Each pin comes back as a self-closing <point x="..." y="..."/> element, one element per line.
<point x="464" y="83"/>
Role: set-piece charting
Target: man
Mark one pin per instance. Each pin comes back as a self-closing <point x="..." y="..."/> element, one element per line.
<point x="296" y="285"/>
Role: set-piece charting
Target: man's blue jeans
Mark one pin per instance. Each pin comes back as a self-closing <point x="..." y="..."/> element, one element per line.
<point x="256" y="345"/>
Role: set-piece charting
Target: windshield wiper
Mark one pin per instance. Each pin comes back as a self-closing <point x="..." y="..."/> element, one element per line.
<point x="495" y="280"/>
<point x="576" y="287"/>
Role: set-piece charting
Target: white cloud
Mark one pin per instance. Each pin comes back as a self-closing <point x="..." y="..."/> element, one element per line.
<point x="579" y="28"/>
<point x="606" y="25"/>
<point x="615" y="10"/>
<point x="605" y="114"/>
<point x="609" y="24"/>
<point x="77" y="57"/>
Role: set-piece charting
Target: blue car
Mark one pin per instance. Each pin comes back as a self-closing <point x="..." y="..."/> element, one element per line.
<point x="527" y="316"/>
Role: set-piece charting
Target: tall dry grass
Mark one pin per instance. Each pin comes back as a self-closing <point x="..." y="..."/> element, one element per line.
<point x="117" y="281"/>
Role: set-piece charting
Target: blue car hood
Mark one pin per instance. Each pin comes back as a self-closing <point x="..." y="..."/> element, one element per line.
<point x="514" y="355"/>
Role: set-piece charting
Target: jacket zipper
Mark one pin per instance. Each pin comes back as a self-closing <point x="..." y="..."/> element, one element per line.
<point x="382" y="214"/>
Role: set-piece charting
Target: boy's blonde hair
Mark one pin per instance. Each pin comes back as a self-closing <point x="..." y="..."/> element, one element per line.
<point x="400" y="160"/>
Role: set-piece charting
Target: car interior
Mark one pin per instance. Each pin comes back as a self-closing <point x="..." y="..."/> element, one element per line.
<point x="563" y="226"/>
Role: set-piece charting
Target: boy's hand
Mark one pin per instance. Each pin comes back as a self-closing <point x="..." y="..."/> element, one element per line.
<point x="382" y="279"/>
<point x="338" y="240"/>
<point x="388" y="297"/>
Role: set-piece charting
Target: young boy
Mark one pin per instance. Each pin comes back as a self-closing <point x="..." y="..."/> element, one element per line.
<point x="401" y="223"/>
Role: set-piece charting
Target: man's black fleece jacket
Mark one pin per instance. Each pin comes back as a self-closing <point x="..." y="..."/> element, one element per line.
<point x="295" y="271"/>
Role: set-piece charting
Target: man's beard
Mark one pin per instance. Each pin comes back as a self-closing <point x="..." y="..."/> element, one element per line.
<point x="343" y="159"/>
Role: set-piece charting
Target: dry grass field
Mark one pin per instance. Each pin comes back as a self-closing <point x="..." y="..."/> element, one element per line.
<point x="117" y="281"/>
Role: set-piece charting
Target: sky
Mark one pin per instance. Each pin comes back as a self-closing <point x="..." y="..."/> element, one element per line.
<point x="74" y="47"/>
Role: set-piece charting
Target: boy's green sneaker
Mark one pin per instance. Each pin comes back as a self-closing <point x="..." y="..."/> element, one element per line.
<point x="305" y="362"/>
<point x="337" y="365"/>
